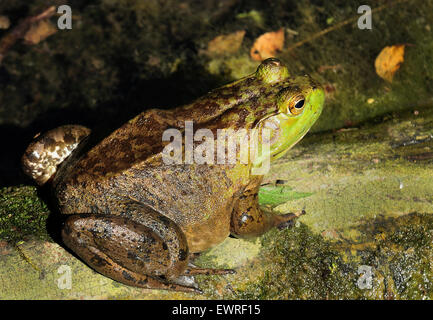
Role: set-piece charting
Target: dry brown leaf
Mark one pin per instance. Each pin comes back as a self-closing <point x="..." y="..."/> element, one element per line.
<point x="226" y="44"/>
<point x="389" y="60"/>
<point x="267" y="45"/>
<point x="39" y="31"/>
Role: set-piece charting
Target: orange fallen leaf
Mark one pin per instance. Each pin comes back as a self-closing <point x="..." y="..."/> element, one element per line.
<point x="267" y="45"/>
<point x="225" y="44"/>
<point x="39" y="31"/>
<point x="388" y="61"/>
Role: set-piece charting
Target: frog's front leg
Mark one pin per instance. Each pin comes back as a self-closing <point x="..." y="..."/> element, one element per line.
<point x="248" y="220"/>
<point x="141" y="248"/>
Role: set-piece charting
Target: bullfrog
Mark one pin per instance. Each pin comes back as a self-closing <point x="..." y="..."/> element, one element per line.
<point x="138" y="219"/>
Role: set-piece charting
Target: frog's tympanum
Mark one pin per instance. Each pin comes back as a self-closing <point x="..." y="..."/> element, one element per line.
<point x="135" y="218"/>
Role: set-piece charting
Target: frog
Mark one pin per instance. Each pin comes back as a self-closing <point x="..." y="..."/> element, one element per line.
<point x="139" y="220"/>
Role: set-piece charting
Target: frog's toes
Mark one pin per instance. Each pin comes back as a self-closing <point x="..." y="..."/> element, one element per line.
<point x="192" y="270"/>
<point x="286" y="225"/>
<point x="288" y="220"/>
<point x="47" y="151"/>
<point x="187" y="281"/>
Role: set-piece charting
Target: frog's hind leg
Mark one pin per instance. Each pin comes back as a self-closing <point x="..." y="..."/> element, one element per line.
<point x="48" y="150"/>
<point x="146" y="250"/>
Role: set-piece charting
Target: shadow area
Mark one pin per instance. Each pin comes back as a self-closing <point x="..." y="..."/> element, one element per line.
<point x="131" y="98"/>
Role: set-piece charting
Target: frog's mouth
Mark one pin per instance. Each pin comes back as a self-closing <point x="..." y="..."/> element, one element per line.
<point x="266" y="141"/>
<point x="279" y="153"/>
<point x="259" y="123"/>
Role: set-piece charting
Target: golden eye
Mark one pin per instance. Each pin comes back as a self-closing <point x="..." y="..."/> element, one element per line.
<point x="296" y="105"/>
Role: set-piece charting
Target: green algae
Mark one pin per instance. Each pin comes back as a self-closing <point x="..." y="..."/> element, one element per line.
<point x="299" y="265"/>
<point x="22" y="214"/>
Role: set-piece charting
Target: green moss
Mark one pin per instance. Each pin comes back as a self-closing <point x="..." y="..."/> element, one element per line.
<point x="22" y="214"/>
<point x="299" y="265"/>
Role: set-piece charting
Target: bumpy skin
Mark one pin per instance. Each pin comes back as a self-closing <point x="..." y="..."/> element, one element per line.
<point x="136" y="219"/>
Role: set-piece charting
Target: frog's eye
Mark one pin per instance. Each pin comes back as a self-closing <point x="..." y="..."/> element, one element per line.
<point x="296" y="105"/>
